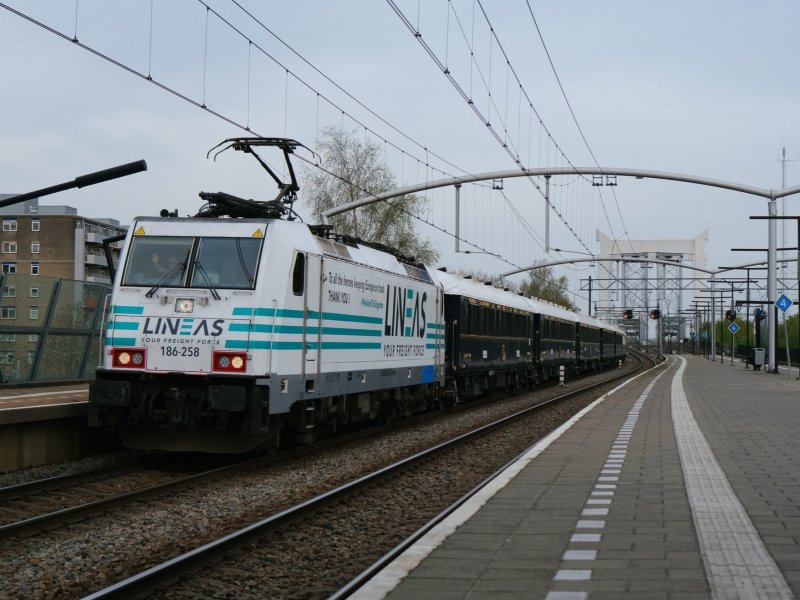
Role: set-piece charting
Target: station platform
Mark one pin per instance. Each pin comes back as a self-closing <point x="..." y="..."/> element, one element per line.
<point x="21" y="404"/>
<point x="45" y="424"/>
<point x="683" y="483"/>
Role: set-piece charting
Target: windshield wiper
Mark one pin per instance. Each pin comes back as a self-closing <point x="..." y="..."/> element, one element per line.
<point x="202" y="271"/>
<point x="166" y="278"/>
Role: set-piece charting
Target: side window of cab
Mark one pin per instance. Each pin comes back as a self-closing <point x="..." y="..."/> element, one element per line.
<point x="299" y="274"/>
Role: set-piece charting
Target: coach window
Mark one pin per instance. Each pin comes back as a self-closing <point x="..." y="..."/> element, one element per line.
<point x="299" y="274"/>
<point x="469" y="327"/>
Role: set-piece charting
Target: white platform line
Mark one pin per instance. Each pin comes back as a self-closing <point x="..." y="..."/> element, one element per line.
<point x="626" y="430"/>
<point x="388" y="579"/>
<point x="737" y="563"/>
<point x="40" y="394"/>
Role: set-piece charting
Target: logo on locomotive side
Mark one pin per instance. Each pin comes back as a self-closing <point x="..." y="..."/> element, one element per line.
<point x="405" y="312"/>
<point x="179" y="326"/>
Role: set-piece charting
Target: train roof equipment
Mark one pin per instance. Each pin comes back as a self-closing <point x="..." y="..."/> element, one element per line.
<point x="220" y="204"/>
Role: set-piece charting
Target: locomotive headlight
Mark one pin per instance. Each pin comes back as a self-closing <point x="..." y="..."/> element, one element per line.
<point x="184" y="305"/>
<point x="128" y="358"/>
<point x="229" y="362"/>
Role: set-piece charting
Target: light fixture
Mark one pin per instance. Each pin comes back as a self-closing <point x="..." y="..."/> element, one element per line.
<point x="184" y="305"/>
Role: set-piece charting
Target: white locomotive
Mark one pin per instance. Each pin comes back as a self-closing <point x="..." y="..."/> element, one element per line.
<point x="226" y="334"/>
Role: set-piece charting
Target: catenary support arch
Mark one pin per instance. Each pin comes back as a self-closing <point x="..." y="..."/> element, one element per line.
<point x="769" y="194"/>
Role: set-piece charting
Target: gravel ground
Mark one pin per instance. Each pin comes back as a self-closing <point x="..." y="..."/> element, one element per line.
<point x="73" y="561"/>
<point x="67" y="467"/>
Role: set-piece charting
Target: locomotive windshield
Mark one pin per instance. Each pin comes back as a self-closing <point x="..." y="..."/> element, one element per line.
<point x="208" y="262"/>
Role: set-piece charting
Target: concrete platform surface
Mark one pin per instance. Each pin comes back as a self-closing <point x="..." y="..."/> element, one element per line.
<point x="683" y="483"/>
<point x="19" y="405"/>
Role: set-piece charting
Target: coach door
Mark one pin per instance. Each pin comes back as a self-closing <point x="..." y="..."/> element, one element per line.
<point x="312" y="319"/>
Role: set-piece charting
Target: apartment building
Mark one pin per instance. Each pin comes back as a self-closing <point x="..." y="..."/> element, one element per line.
<point x="53" y="264"/>
<point x="55" y="241"/>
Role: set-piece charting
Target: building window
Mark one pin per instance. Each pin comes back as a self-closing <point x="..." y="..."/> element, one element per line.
<point x="8" y="337"/>
<point x="9" y="247"/>
<point x="8" y="312"/>
<point x="6" y="358"/>
<point x="35" y="225"/>
<point x="34" y="337"/>
<point x="34" y="315"/>
<point x="34" y="247"/>
<point x="34" y="268"/>
<point x="9" y="291"/>
<point x="34" y="293"/>
<point x="9" y="268"/>
<point x="9" y="224"/>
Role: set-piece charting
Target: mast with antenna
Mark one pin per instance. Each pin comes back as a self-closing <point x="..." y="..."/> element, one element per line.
<point x="784" y="222"/>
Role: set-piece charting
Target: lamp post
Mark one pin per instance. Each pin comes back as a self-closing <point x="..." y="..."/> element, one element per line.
<point x="590" y="277"/>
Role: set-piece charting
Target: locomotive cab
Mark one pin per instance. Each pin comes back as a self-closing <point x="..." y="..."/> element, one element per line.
<point x="176" y="355"/>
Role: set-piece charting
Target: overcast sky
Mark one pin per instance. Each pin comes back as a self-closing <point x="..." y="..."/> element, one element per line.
<point x="700" y="88"/>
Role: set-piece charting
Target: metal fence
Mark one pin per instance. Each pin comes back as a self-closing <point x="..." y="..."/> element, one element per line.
<point x="49" y="328"/>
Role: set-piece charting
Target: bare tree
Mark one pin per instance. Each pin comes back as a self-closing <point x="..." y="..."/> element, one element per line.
<point x="544" y="285"/>
<point x="358" y="171"/>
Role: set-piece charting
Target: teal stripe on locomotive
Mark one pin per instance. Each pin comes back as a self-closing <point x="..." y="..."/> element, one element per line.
<point x="298" y="329"/>
<point x="265" y="345"/>
<point x="120" y="341"/>
<point x="311" y="330"/>
<point x="123" y="325"/>
<point x="437" y="335"/>
<point x="298" y="314"/>
<point x="127" y="310"/>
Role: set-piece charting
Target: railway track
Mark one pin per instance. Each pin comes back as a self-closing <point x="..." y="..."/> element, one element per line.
<point x="46" y="504"/>
<point x="366" y="521"/>
<point x="53" y="502"/>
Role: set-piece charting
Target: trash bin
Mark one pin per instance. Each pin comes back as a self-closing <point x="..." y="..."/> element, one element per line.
<point x="758" y="358"/>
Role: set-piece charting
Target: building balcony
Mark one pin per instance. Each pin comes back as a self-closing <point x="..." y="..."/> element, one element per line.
<point x="93" y="238"/>
<point x="98" y="279"/>
<point x="96" y="259"/>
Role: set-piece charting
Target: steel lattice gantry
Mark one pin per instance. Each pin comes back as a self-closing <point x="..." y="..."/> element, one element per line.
<point x="644" y="286"/>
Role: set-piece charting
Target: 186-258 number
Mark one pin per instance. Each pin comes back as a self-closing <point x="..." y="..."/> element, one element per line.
<point x="184" y="351"/>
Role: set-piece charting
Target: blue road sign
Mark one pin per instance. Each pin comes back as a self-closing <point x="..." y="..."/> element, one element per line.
<point x="705" y="334"/>
<point x="733" y="328"/>
<point x="783" y="303"/>
<point x="694" y="337"/>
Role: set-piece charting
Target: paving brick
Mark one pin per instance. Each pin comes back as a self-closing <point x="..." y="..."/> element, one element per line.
<point x="648" y="547"/>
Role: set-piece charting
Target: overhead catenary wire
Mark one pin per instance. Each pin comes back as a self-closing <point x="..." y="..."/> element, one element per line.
<point x="508" y="148"/>
<point x="246" y="126"/>
<point x="202" y="102"/>
<point x="344" y="91"/>
<point x="580" y="129"/>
